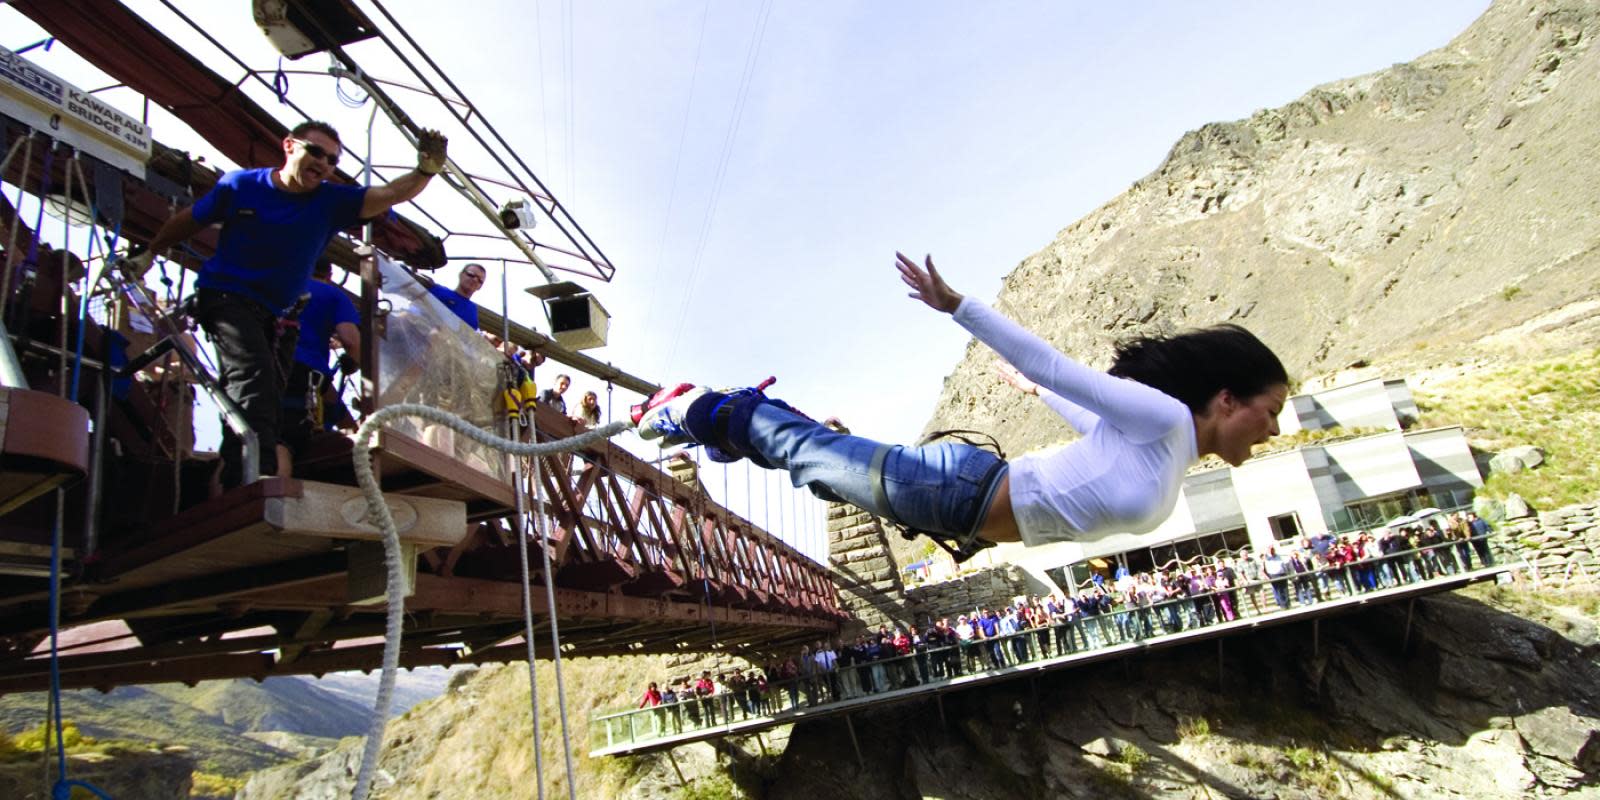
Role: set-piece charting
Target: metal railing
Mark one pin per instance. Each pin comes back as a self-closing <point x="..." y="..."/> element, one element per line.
<point x="629" y="520"/>
<point x="1065" y="637"/>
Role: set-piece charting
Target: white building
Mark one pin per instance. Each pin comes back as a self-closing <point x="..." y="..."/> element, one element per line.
<point x="1381" y="470"/>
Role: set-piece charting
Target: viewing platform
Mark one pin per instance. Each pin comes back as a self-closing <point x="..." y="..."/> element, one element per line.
<point x="937" y="671"/>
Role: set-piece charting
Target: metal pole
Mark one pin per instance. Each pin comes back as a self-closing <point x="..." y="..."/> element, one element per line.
<point x="672" y="756"/>
<point x="850" y="725"/>
<point x="91" y="526"/>
<point x="11" y="376"/>
<point x="16" y="225"/>
<point x="1405" y="638"/>
<point x="66" y="268"/>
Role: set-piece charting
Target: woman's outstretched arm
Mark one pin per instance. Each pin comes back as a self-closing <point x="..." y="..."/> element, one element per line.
<point x="1081" y="419"/>
<point x="1137" y="410"/>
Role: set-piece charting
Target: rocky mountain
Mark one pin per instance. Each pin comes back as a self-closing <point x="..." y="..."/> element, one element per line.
<point x="294" y="705"/>
<point x="1437" y="211"/>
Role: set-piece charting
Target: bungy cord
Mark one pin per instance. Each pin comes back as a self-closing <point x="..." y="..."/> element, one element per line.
<point x="378" y="512"/>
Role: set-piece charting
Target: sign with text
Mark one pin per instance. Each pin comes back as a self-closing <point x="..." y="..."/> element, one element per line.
<point x="37" y="98"/>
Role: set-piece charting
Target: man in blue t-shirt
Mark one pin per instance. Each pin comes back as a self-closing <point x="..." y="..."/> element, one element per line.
<point x="275" y="224"/>
<point x="459" y="300"/>
<point x="328" y="315"/>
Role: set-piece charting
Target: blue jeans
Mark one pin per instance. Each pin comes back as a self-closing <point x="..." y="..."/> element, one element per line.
<point x="940" y="488"/>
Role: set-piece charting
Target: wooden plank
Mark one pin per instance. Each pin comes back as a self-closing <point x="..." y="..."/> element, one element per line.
<point x="219" y="516"/>
<point x="339" y="512"/>
<point x="458" y="480"/>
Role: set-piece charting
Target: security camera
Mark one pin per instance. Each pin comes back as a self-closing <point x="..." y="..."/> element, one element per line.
<point x="517" y="214"/>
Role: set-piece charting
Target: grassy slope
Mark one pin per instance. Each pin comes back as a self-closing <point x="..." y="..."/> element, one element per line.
<point x="139" y="714"/>
<point x="1552" y="403"/>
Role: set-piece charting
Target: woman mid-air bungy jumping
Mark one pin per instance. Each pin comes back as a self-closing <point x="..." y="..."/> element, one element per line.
<point x="1166" y="402"/>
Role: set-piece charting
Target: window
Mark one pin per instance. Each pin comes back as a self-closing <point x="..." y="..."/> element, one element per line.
<point x="1285" y="526"/>
<point x="1138" y="561"/>
<point x="1236" y="539"/>
<point x="1164" y="556"/>
<point x="1188" y="550"/>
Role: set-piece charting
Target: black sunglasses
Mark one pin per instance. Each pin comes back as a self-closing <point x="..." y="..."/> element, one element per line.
<point x="319" y="152"/>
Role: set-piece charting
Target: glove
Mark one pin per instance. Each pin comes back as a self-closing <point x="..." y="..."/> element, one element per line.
<point x="431" y="146"/>
<point x="140" y="263"/>
<point x="348" y="364"/>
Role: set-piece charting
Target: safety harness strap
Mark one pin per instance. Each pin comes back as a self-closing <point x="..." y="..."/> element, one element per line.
<point x="880" y="495"/>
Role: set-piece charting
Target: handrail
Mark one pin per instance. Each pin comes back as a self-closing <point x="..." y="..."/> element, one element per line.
<point x="1126" y="623"/>
<point x="130" y="287"/>
<point x="1213" y="558"/>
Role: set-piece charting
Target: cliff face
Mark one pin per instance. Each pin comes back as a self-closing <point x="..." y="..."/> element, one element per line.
<point x="1400" y="218"/>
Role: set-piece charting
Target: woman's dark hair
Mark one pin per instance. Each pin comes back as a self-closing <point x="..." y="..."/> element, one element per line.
<point x="1194" y="365"/>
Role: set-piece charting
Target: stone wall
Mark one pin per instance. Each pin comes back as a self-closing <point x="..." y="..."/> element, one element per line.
<point x="1563" y="546"/>
<point x="870" y="584"/>
<point x="991" y="588"/>
<point x="869" y="581"/>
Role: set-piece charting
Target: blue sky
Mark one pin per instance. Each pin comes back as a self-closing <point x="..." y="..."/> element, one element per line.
<point x="971" y="131"/>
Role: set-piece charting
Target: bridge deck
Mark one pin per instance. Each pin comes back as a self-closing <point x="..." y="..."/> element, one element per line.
<point x="642" y="731"/>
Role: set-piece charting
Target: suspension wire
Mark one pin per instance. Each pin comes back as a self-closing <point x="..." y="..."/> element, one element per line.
<point x="544" y="105"/>
<point x="810" y="517"/>
<point x="540" y="528"/>
<point x="609" y="388"/>
<point x="519" y="528"/>
<point x="799" y="517"/>
<point x="677" y="163"/>
<point x="752" y="56"/>
<point x="705" y="574"/>
<point x="567" y="14"/>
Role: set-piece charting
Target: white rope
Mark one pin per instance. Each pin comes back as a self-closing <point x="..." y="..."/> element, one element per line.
<point x="378" y="512"/>
<point x="520" y="528"/>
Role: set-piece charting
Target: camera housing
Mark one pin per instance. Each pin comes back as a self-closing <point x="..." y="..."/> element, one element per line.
<point x="517" y="215"/>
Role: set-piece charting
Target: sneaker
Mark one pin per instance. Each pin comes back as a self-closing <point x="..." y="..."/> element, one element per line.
<point x="662" y="416"/>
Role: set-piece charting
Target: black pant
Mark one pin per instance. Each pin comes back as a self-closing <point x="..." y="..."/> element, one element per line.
<point x="244" y="335"/>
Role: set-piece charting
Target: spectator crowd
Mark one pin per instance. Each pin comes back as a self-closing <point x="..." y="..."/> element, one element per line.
<point x="1106" y="610"/>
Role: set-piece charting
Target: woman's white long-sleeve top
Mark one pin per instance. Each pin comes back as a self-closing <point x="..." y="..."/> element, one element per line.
<point x="1123" y="476"/>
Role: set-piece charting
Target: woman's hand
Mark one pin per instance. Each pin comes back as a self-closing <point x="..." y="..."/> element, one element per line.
<point x="1010" y="375"/>
<point x="927" y="286"/>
